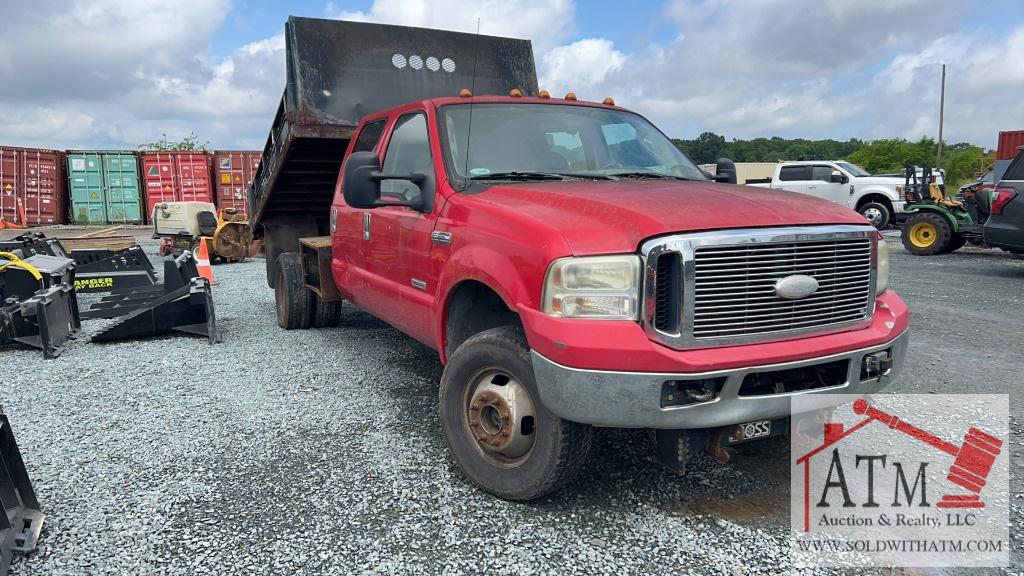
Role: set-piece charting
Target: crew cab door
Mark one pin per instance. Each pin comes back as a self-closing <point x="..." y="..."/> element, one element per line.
<point x="813" y="180"/>
<point x="400" y="276"/>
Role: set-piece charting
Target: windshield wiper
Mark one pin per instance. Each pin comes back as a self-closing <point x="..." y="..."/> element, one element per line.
<point x="519" y="175"/>
<point x="649" y="174"/>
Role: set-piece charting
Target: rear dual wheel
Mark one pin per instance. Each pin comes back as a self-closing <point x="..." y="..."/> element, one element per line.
<point x="297" y="306"/>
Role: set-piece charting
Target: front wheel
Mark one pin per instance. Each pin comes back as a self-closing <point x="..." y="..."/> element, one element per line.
<point x="500" y="435"/>
<point x="926" y="234"/>
<point x="876" y="213"/>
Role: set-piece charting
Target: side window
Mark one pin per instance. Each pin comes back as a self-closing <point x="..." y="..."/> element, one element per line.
<point x="369" y="136"/>
<point x="791" y="173"/>
<point x="408" y="153"/>
<point x="822" y="173"/>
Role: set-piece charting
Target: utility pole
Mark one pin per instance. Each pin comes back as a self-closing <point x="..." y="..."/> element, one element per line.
<point x="942" y="110"/>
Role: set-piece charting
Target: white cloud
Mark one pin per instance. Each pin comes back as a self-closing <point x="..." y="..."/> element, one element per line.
<point x="582" y="64"/>
<point x="121" y="72"/>
<point x="544" y="22"/>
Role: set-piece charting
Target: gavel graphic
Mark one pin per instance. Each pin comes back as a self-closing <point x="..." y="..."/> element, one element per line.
<point x="972" y="461"/>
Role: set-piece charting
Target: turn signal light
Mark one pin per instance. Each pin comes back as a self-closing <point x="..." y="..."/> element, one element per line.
<point x="1002" y="198"/>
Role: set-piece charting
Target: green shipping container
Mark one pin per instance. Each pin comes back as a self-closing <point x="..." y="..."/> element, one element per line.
<point x="104" y="187"/>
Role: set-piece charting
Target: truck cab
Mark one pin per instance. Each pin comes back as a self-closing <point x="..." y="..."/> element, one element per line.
<point x="574" y="269"/>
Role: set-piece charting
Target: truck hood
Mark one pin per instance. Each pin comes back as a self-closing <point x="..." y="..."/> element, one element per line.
<point x="601" y="217"/>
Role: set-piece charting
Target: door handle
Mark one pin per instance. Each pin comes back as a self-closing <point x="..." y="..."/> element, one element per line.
<point x="812" y="187"/>
<point x="366" y="225"/>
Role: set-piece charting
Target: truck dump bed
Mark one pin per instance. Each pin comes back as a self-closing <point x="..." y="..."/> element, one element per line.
<point x="338" y="72"/>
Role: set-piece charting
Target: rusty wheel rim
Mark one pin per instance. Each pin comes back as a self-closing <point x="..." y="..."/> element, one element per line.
<point x="501" y="417"/>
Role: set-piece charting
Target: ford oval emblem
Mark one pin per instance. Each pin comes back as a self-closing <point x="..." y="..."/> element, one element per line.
<point x="796" y="287"/>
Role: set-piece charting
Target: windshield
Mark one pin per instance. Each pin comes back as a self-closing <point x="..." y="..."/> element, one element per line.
<point x="532" y="140"/>
<point x="858" y="172"/>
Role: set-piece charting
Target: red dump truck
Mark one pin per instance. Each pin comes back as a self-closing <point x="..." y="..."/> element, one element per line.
<point x="571" y="267"/>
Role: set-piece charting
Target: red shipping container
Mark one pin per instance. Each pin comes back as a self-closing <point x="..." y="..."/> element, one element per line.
<point x="176" y="177"/>
<point x="233" y="171"/>
<point x="32" y="183"/>
<point x="1008" y="144"/>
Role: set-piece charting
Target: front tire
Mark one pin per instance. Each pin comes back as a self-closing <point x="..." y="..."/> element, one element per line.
<point x="878" y="214"/>
<point x="500" y="435"/>
<point x="926" y="234"/>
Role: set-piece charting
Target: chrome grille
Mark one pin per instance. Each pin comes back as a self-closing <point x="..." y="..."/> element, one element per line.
<point x="721" y="289"/>
<point x="734" y="286"/>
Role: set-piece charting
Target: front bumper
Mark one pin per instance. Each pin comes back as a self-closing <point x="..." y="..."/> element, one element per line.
<point x="633" y="399"/>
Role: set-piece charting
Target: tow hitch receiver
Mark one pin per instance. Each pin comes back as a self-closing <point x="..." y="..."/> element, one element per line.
<point x="22" y="520"/>
<point x="876" y="365"/>
<point x="719" y="439"/>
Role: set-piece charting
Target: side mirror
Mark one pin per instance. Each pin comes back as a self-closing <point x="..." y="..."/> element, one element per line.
<point x="839" y="178"/>
<point x="725" y="171"/>
<point x="361" y="178"/>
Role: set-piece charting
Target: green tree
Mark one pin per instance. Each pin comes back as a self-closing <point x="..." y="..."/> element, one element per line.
<point x="189" y="143"/>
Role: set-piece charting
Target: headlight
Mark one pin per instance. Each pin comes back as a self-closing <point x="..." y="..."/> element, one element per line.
<point x="882" y="266"/>
<point x="605" y="287"/>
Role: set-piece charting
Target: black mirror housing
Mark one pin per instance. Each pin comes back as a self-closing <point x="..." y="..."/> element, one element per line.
<point x="358" y="186"/>
<point x="725" y="171"/>
<point x="839" y="179"/>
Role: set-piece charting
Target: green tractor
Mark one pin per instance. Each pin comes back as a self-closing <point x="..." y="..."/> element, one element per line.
<point x="936" y="224"/>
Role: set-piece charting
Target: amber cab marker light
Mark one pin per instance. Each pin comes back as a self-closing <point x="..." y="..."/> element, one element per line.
<point x="570" y="96"/>
<point x="515" y="93"/>
<point x="609" y="101"/>
<point x="543" y="94"/>
<point x="465" y="93"/>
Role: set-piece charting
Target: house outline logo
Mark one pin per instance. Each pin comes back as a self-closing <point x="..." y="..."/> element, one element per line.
<point x="973" y="460"/>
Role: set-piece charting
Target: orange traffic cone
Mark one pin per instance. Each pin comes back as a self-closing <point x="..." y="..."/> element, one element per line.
<point x="203" y="262"/>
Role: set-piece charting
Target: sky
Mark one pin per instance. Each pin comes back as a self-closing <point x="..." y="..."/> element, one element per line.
<point x="120" y="73"/>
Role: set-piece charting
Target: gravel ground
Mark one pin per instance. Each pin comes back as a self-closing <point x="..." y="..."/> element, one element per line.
<point x="320" y="452"/>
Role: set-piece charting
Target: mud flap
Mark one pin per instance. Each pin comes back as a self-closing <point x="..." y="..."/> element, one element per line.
<point x="22" y="520"/>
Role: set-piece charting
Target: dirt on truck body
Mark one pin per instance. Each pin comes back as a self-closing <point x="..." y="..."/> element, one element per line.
<point x="569" y="264"/>
<point x="339" y="72"/>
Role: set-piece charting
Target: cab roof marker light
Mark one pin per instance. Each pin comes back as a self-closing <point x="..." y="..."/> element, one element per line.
<point x="465" y="93"/>
<point x="609" y="101"/>
<point x="570" y="96"/>
<point x="543" y="94"/>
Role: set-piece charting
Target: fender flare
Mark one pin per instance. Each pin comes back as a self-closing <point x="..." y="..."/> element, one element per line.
<point x="499" y="274"/>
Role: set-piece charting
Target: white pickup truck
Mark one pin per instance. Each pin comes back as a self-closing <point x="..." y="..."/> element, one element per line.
<point x="877" y="198"/>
